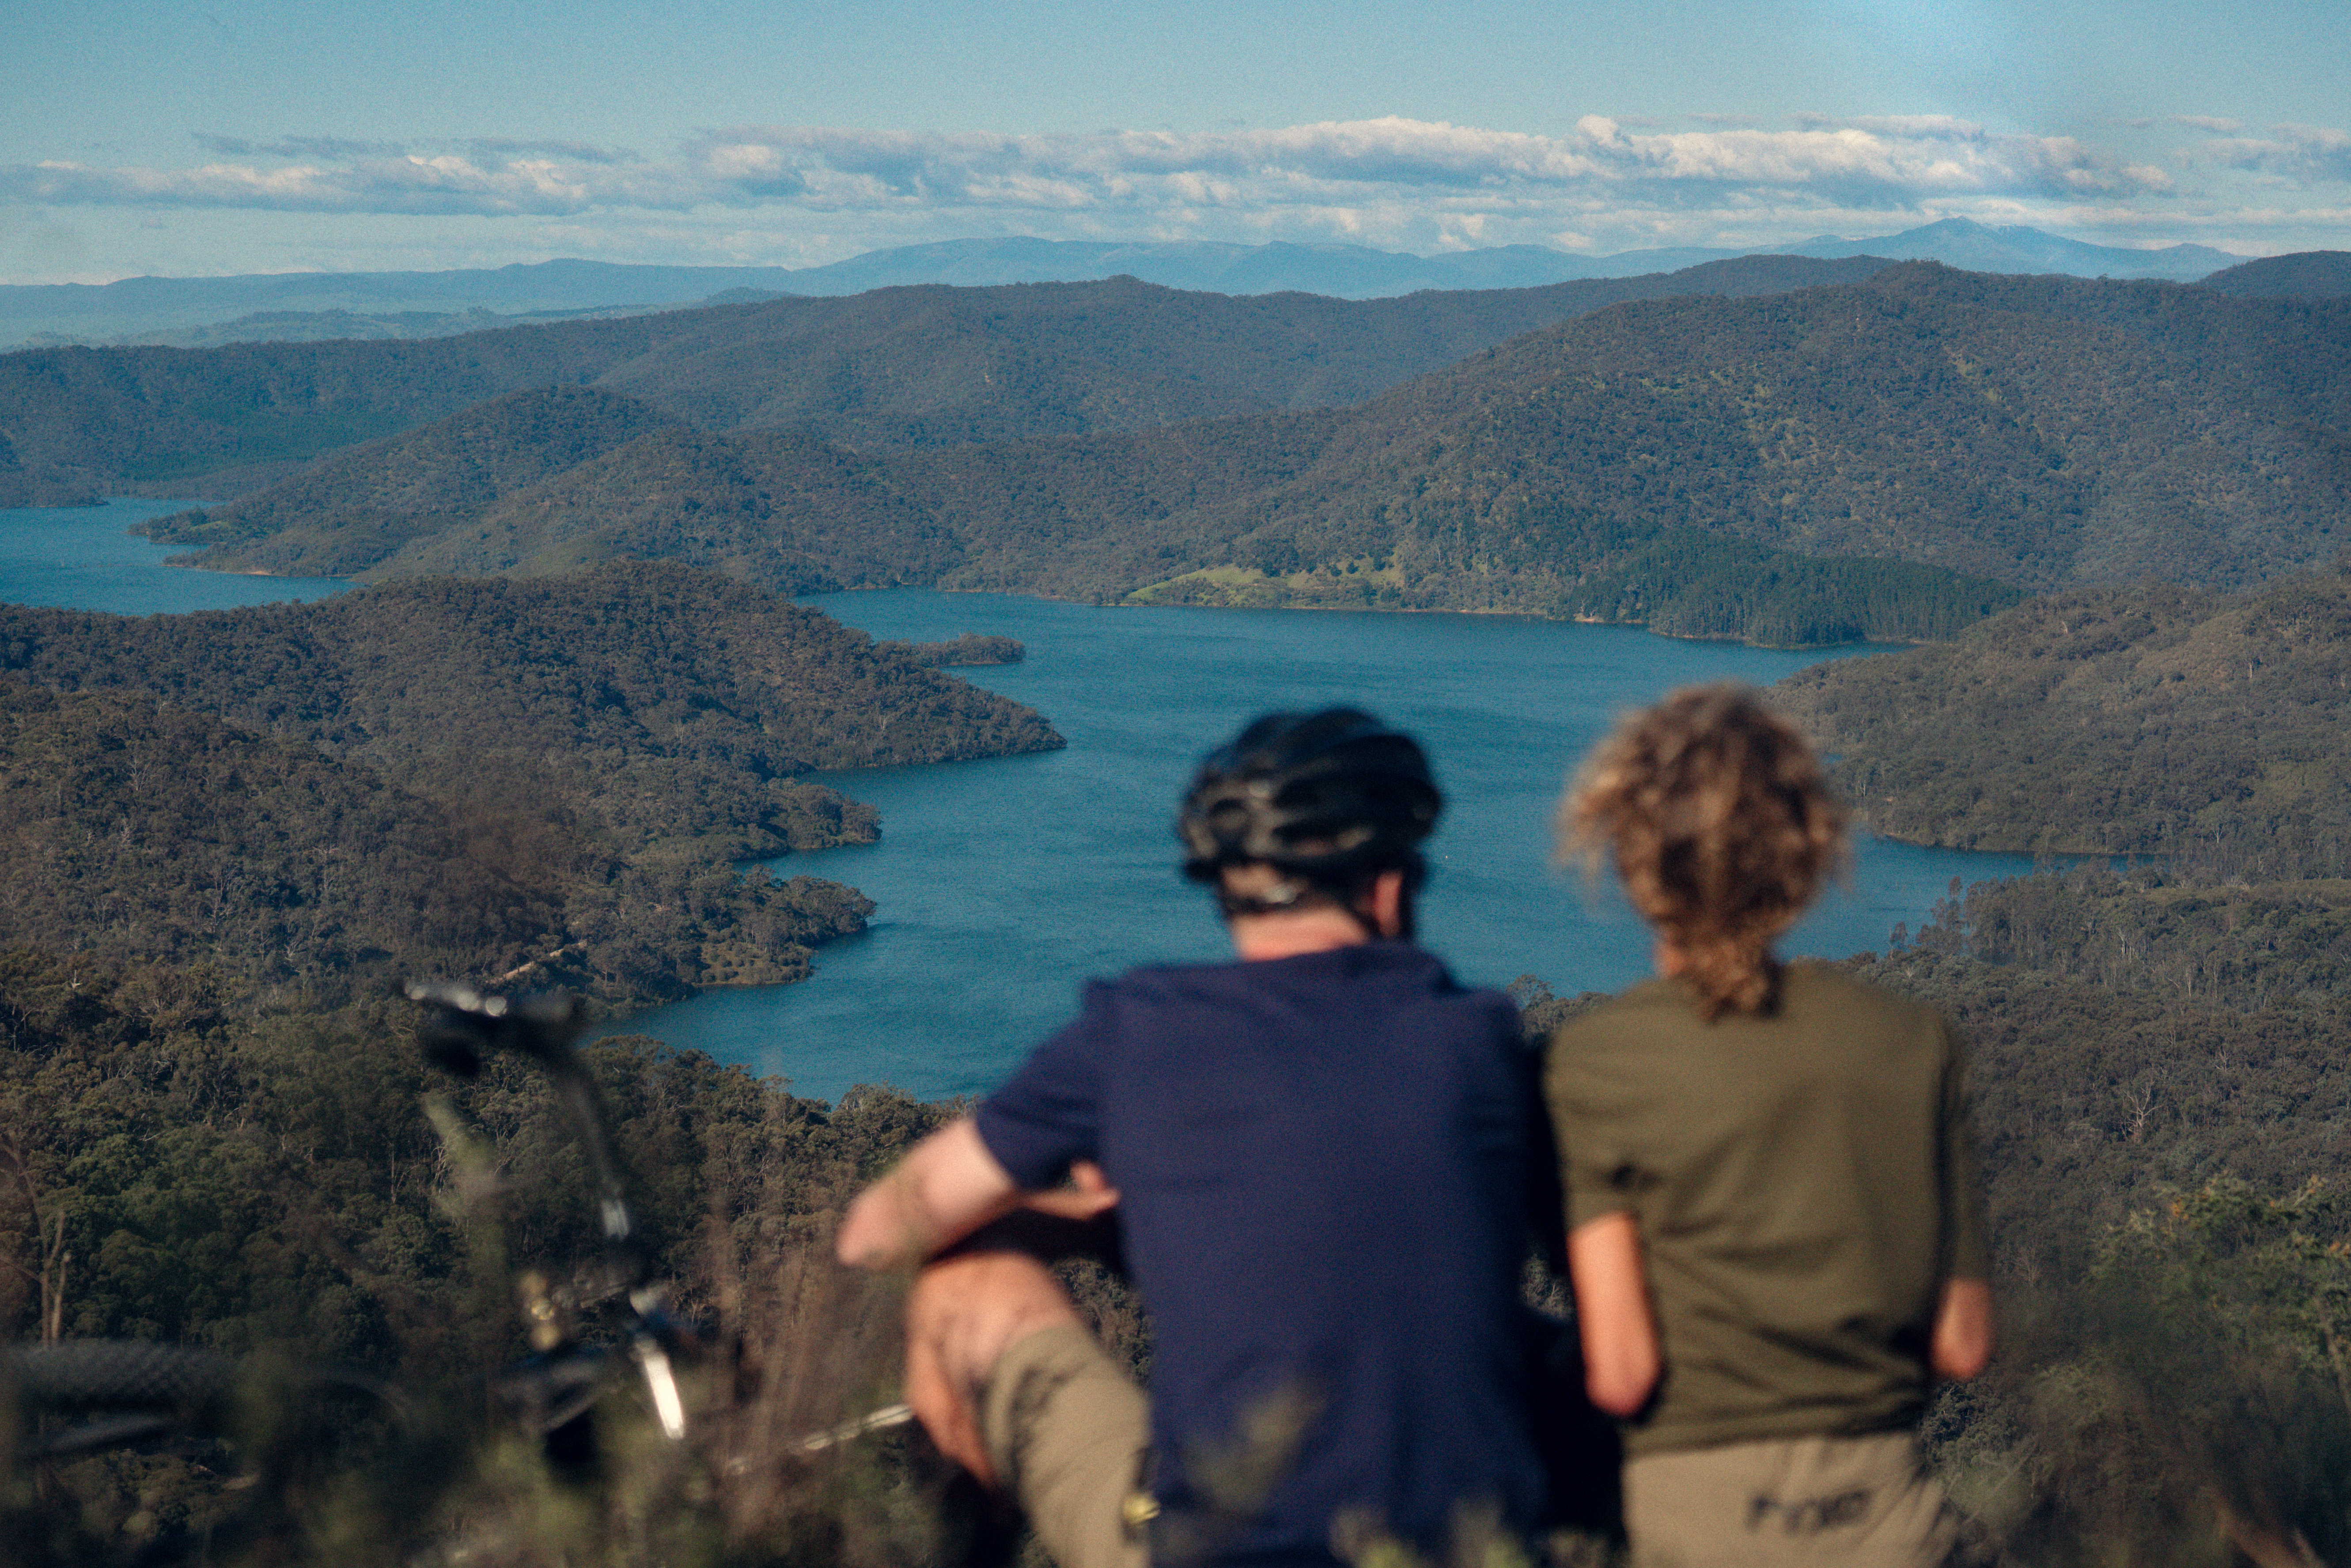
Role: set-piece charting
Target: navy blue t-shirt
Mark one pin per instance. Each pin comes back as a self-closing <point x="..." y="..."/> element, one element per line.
<point x="1324" y="1164"/>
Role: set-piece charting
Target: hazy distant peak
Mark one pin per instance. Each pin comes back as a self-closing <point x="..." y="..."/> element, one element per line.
<point x="190" y="310"/>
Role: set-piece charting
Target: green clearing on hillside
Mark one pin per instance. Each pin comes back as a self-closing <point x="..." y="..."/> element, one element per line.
<point x="1684" y="583"/>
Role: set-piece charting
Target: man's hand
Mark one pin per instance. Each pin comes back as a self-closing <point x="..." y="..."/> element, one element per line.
<point x="1088" y="1196"/>
<point x="960" y="1316"/>
<point x="947" y="1187"/>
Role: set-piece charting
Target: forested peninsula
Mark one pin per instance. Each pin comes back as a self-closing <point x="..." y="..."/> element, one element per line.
<point x="462" y="777"/>
<point x="2209" y="730"/>
<point x="1891" y="458"/>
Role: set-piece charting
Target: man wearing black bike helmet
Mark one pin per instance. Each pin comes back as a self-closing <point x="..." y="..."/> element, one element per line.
<point x="1310" y="813"/>
<point x="1320" y="1155"/>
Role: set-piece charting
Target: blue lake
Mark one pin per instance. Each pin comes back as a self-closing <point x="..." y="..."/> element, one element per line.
<point x="1003" y="885"/>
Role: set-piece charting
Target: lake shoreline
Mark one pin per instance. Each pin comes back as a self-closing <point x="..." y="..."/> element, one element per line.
<point x="1003" y="882"/>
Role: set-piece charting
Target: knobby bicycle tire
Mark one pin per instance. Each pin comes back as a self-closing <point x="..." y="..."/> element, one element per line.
<point x="116" y="1375"/>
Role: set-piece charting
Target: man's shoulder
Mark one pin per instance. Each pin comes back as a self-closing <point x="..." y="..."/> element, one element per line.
<point x="1374" y="986"/>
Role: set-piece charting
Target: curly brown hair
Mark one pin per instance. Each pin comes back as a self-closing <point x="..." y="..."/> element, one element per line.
<point x="1721" y="827"/>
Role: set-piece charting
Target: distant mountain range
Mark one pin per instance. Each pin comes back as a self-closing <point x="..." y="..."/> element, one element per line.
<point x="1355" y="272"/>
<point x="362" y="326"/>
<point x="1893" y="457"/>
<point x="1786" y="449"/>
<point x="308" y="306"/>
<point x="901" y="367"/>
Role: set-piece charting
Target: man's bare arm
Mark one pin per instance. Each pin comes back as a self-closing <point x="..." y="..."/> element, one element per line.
<point x="1620" y="1361"/>
<point x="947" y="1187"/>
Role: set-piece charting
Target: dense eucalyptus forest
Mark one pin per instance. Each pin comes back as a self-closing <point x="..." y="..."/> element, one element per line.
<point x="473" y="778"/>
<point x="531" y="751"/>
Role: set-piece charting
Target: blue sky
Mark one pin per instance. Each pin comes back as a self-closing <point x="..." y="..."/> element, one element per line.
<point x="216" y="136"/>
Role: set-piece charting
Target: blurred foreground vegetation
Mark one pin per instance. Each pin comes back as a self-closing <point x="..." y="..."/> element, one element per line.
<point x="2169" y="1176"/>
<point x="169" y="1170"/>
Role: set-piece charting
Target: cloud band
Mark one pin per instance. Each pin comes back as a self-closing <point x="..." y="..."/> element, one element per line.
<point x="1882" y="163"/>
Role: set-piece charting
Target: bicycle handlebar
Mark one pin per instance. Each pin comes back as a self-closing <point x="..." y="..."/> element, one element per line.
<point x="462" y="1028"/>
<point x="116" y="1375"/>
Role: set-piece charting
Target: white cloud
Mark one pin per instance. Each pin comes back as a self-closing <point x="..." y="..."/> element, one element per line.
<point x="482" y="178"/>
<point x="2305" y="154"/>
<point x="1600" y="185"/>
<point x="1890" y="162"/>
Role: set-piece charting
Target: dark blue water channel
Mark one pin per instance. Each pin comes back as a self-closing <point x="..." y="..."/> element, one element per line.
<point x="1003" y="883"/>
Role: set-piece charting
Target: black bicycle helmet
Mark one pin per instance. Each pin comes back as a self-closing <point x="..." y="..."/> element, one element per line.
<point x="1329" y="799"/>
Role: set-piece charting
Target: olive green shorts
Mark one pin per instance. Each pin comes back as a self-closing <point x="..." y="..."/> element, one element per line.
<point x="1067" y="1431"/>
<point x="1865" y="1503"/>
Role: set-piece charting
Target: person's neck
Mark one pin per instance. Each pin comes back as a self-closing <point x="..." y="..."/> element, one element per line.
<point x="1290" y="933"/>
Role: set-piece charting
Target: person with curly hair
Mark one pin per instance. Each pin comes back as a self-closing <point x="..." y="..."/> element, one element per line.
<point x="1775" y="1232"/>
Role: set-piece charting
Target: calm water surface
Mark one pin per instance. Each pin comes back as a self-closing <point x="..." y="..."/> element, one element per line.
<point x="1004" y="883"/>
<point x="79" y="558"/>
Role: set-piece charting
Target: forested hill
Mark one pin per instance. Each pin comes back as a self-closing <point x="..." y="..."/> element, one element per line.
<point x="673" y="703"/>
<point x="2304" y="274"/>
<point x="150" y="840"/>
<point x="381" y="492"/>
<point x="895" y="367"/>
<point x="600" y="748"/>
<point x="2215" y="730"/>
<point x="1892" y="458"/>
